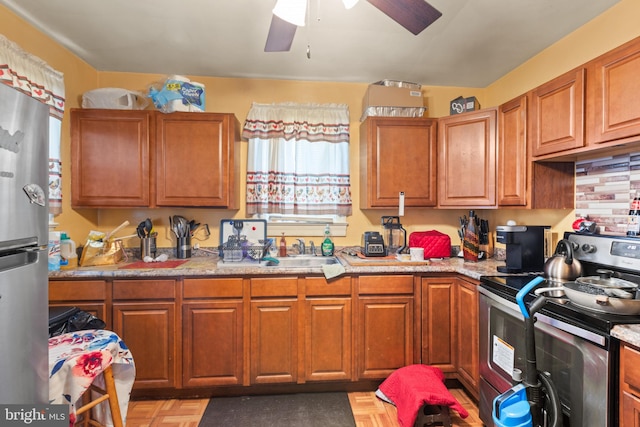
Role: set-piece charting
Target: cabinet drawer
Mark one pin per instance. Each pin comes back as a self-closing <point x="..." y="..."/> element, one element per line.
<point x="385" y="285"/>
<point x="318" y="286"/>
<point x="77" y="290"/>
<point x="274" y="287"/>
<point x="217" y="288"/>
<point x="631" y="362"/>
<point x="143" y="289"/>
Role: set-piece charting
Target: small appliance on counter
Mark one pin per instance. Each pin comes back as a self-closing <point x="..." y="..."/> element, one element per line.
<point x="395" y="236"/>
<point x="373" y="244"/>
<point x="524" y="247"/>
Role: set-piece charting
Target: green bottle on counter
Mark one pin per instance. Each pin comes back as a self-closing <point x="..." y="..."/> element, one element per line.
<point x="327" y="244"/>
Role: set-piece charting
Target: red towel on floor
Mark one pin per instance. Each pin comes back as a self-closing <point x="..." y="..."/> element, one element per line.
<point x="413" y="386"/>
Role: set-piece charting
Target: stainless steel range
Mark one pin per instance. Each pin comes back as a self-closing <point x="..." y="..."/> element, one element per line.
<point x="573" y="343"/>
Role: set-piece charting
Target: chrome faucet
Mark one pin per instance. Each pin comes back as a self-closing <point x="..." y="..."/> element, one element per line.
<point x="303" y="249"/>
<point x="312" y="248"/>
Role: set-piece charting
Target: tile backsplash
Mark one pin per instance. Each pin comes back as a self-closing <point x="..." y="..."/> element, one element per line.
<point x="604" y="190"/>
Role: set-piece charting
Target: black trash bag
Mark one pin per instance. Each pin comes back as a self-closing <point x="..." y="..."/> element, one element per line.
<point x="71" y="319"/>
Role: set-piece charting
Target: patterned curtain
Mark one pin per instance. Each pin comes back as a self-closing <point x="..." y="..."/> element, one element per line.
<point x="33" y="77"/>
<point x="298" y="159"/>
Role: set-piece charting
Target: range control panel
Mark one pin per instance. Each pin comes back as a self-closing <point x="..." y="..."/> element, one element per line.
<point x="615" y="251"/>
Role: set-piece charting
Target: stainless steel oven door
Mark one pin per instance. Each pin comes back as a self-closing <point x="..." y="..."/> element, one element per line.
<point x="577" y="359"/>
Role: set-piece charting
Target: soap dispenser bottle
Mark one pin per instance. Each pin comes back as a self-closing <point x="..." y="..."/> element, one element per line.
<point x="327" y="244"/>
<point x="283" y="246"/>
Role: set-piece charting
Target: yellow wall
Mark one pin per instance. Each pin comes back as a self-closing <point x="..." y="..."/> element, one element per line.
<point x="611" y="29"/>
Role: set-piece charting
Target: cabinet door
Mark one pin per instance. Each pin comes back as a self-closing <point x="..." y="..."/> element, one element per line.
<point x="196" y="160"/>
<point x="274" y="341"/>
<point x="397" y="154"/>
<point x="328" y="339"/>
<point x="149" y="331"/>
<point x="557" y="114"/>
<point x="385" y="335"/>
<point x="468" y="363"/>
<point x="512" y="153"/>
<point x="467" y="159"/>
<point x="630" y="410"/>
<point x="212" y="343"/>
<point x="439" y="339"/>
<point x="110" y="158"/>
<point x="613" y="106"/>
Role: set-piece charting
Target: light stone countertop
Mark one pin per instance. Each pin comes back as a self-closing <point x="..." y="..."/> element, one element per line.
<point x="208" y="266"/>
<point x="627" y="333"/>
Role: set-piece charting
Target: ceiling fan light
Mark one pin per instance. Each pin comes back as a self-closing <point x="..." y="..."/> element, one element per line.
<point x="348" y="4"/>
<point x="292" y="11"/>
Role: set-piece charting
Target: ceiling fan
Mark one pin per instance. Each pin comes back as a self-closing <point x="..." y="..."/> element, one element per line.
<point x="414" y="15"/>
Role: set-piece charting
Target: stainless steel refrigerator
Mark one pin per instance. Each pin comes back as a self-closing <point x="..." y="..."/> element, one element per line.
<point x="24" y="159"/>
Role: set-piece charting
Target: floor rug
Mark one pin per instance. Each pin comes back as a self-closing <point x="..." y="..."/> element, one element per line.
<point x="281" y="410"/>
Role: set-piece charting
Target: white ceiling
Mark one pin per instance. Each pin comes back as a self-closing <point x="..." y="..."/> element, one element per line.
<point x="474" y="43"/>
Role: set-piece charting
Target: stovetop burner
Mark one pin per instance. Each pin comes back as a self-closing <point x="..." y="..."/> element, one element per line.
<point x="508" y="286"/>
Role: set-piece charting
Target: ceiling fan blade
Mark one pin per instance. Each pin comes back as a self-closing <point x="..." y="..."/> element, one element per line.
<point x="280" y="35"/>
<point x="414" y="15"/>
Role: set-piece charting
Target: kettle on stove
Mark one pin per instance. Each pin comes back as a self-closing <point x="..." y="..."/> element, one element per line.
<point x="395" y="236"/>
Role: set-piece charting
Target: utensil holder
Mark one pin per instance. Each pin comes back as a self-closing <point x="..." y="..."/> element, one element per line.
<point x="147" y="247"/>
<point x="183" y="247"/>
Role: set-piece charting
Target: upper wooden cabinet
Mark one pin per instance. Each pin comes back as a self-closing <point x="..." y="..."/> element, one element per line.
<point x="110" y="152"/>
<point x="557" y="114"/>
<point x="147" y="159"/>
<point x="512" y="153"/>
<point x="195" y="164"/>
<point x="397" y="154"/>
<point x="522" y="182"/>
<point x="613" y="105"/>
<point x="467" y="159"/>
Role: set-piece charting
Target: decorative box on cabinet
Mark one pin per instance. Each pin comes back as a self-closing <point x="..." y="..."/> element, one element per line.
<point x="144" y="316"/>
<point x="467" y="159"/>
<point x="385" y="326"/>
<point x="397" y="155"/>
<point x="613" y="105"/>
<point x="557" y="114"/>
<point x="212" y="326"/>
<point x="125" y="158"/>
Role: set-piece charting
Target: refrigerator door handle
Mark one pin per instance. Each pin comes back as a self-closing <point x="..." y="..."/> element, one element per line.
<point x="34" y="248"/>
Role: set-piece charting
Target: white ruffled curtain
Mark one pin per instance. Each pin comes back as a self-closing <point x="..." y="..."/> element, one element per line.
<point x="298" y="159"/>
<point x="33" y="77"/>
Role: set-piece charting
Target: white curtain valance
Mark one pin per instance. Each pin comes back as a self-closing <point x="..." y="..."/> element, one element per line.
<point x="31" y="75"/>
<point x="310" y="122"/>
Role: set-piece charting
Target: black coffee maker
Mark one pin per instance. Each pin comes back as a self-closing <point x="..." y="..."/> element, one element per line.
<point x="524" y="247"/>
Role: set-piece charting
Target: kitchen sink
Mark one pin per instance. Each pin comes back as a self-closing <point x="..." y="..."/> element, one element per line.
<point x="303" y="261"/>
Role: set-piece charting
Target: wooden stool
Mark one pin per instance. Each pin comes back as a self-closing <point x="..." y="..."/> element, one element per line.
<point x="433" y="415"/>
<point x="109" y="393"/>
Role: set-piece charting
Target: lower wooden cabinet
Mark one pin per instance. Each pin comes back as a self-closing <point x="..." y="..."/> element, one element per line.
<point x="327" y="330"/>
<point x="194" y="333"/>
<point x="467" y="336"/>
<point x="629" y="386"/>
<point x="274" y="330"/>
<point x="384" y="339"/>
<point x="212" y="324"/>
<point x="144" y="316"/>
<point x="439" y="323"/>
<point x="87" y="295"/>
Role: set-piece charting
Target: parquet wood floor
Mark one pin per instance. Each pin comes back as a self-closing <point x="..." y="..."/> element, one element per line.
<point x="368" y="411"/>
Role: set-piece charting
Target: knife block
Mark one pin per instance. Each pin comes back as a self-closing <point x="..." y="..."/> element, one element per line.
<point x="488" y="248"/>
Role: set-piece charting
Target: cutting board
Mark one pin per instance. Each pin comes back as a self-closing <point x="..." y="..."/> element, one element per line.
<point x="389" y="261"/>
